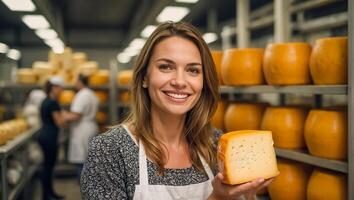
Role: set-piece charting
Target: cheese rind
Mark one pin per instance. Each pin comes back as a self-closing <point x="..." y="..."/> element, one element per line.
<point x="246" y="155"/>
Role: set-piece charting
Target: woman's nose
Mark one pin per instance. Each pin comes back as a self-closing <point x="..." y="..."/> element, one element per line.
<point x="179" y="80"/>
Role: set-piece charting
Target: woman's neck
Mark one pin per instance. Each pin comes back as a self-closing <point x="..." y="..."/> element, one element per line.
<point x="168" y="128"/>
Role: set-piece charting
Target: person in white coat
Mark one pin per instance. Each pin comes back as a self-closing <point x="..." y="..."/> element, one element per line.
<point x="83" y="122"/>
<point x="166" y="148"/>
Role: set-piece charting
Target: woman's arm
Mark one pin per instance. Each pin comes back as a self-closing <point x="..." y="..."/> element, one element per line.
<point x="58" y="118"/>
<point x="101" y="178"/>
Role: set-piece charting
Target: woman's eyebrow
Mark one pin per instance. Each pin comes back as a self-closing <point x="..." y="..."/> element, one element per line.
<point x="171" y="62"/>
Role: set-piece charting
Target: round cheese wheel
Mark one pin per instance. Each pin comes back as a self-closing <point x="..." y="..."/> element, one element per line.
<point x="88" y="68"/>
<point x="217" y="58"/>
<point x="326" y="133"/>
<point x="217" y="120"/>
<point x="242" y="66"/>
<point x="287" y="125"/>
<point x="101" y="117"/>
<point x="102" y="96"/>
<point x="244" y="116"/>
<point x="287" y="64"/>
<point x="125" y="77"/>
<point x="26" y="76"/>
<point x="329" y="61"/>
<point x="99" y="78"/>
<point x="291" y="183"/>
<point x="125" y="97"/>
<point x="79" y="58"/>
<point x="3" y="136"/>
<point x="327" y="185"/>
<point x="66" y="97"/>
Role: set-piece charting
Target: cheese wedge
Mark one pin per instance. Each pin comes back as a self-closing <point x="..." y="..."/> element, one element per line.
<point x="246" y="155"/>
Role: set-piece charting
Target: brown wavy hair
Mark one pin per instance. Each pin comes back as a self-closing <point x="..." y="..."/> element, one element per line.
<point x="197" y="128"/>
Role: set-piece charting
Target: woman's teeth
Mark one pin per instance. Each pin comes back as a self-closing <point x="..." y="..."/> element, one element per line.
<point x="177" y="96"/>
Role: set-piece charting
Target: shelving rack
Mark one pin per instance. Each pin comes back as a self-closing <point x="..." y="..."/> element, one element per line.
<point x="282" y="34"/>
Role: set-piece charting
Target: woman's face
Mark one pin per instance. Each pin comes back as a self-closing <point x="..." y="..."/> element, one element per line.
<point x="57" y="90"/>
<point x="174" y="76"/>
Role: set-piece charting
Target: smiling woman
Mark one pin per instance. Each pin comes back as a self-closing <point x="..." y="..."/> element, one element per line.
<point x="166" y="148"/>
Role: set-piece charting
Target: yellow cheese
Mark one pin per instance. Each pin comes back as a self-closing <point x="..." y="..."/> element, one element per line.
<point x="88" y="68"/>
<point x="102" y="96"/>
<point x="124" y="78"/>
<point x="287" y="64"/>
<point x="329" y="61"/>
<point x="101" y="117"/>
<point x="217" y="120"/>
<point x="327" y="185"/>
<point x="26" y="76"/>
<point x="67" y="56"/>
<point x="79" y="58"/>
<point x="246" y="155"/>
<point x="125" y="97"/>
<point x="326" y="133"/>
<point x="291" y="182"/>
<point x="66" y="97"/>
<point x="287" y="125"/>
<point x="3" y="136"/>
<point x="243" y="66"/>
<point x="99" y="78"/>
<point x="217" y="58"/>
<point x="55" y="60"/>
<point x="244" y="116"/>
<point x="42" y="68"/>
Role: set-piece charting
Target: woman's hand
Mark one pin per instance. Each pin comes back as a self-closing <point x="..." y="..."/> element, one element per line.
<point x="223" y="191"/>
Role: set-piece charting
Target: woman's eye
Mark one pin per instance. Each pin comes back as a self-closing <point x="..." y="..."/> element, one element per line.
<point x="165" y="67"/>
<point x="194" y="70"/>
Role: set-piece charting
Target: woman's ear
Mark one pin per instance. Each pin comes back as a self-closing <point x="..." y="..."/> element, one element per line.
<point x="145" y="85"/>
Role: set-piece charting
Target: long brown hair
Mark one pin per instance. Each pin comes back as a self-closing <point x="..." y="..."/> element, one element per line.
<point x="197" y="130"/>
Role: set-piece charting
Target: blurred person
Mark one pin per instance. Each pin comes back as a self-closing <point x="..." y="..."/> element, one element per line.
<point x="82" y="114"/>
<point x="31" y="108"/>
<point x="52" y="120"/>
<point x="166" y="148"/>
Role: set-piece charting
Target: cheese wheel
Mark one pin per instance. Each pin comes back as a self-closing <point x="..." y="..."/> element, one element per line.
<point x="217" y="58"/>
<point x="125" y="97"/>
<point x="125" y="77"/>
<point x="78" y="59"/>
<point x="327" y="185"/>
<point x="99" y="78"/>
<point x="88" y="68"/>
<point x="66" y="97"/>
<point x="291" y="183"/>
<point x="67" y="58"/>
<point x="43" y="68"/>
<point x="26" y="76"/>
<point x="102" y="96"/>
<point x="242" y="66"/>
<point x="287" y="125"/>
<point x="3" y="136"/>
<point x="287" y="64"/>
<point x="246" y="155"/>
<point x="329" y="61"/>
<point x="101" y="117"/>
<point x="326" y="133"/>
<point x="217" y="120"/>
<point x="55" y="60"/>
<point x="244" y="116"/>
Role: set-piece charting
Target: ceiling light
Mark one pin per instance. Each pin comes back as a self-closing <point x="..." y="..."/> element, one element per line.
<point x="137" y="43"/>
<point x="35" y="21"/>
<point x="187" y="1"/>
<point x="56" y="44"/>
<point x="46" y="34"/>
<point x="123" y="58"/>
<point x="210" y="37"/>
<point x="132" y="51"/>
<point x="172" y="13"/>
<point x="20" y="5"/>
<point x="3" y="48"/>
<point x="14" y="54"/>
<point x="148" y="31"/>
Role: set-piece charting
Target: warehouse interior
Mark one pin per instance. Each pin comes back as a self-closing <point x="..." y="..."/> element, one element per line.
<point x="282" y="66"/>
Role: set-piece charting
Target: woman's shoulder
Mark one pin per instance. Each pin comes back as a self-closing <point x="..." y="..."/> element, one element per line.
<point x="114" y="139"/>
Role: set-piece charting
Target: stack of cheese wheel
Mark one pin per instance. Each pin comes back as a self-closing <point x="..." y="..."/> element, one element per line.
<point x="242" y="67"/>
<point x="217" y="58"/>
<point x="101" y="117"/>
<point x="217" y="120"/>
<point x="287" y="125"/>
<point x="327" y="185"/>
<point x="329" y="61"/>
<point x="11" y="128"/>
<point x="102" y="96"/>
<point x="287" y="64"/>
<point x="67" y="59"/>
<point x="99" y="78"/>
<point x="43" y="70"/>
<point x="88" y="68"/>
<point x="55" y="60"/>
<point x="244" y="116"/>
<point x="291" y="183"/>
<point x="26" y="76"/>
<point x="124" y="78"/>
<point x="79" y="58"/>
<point x="66" y="97"/>
<point x="326" y="133"/>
